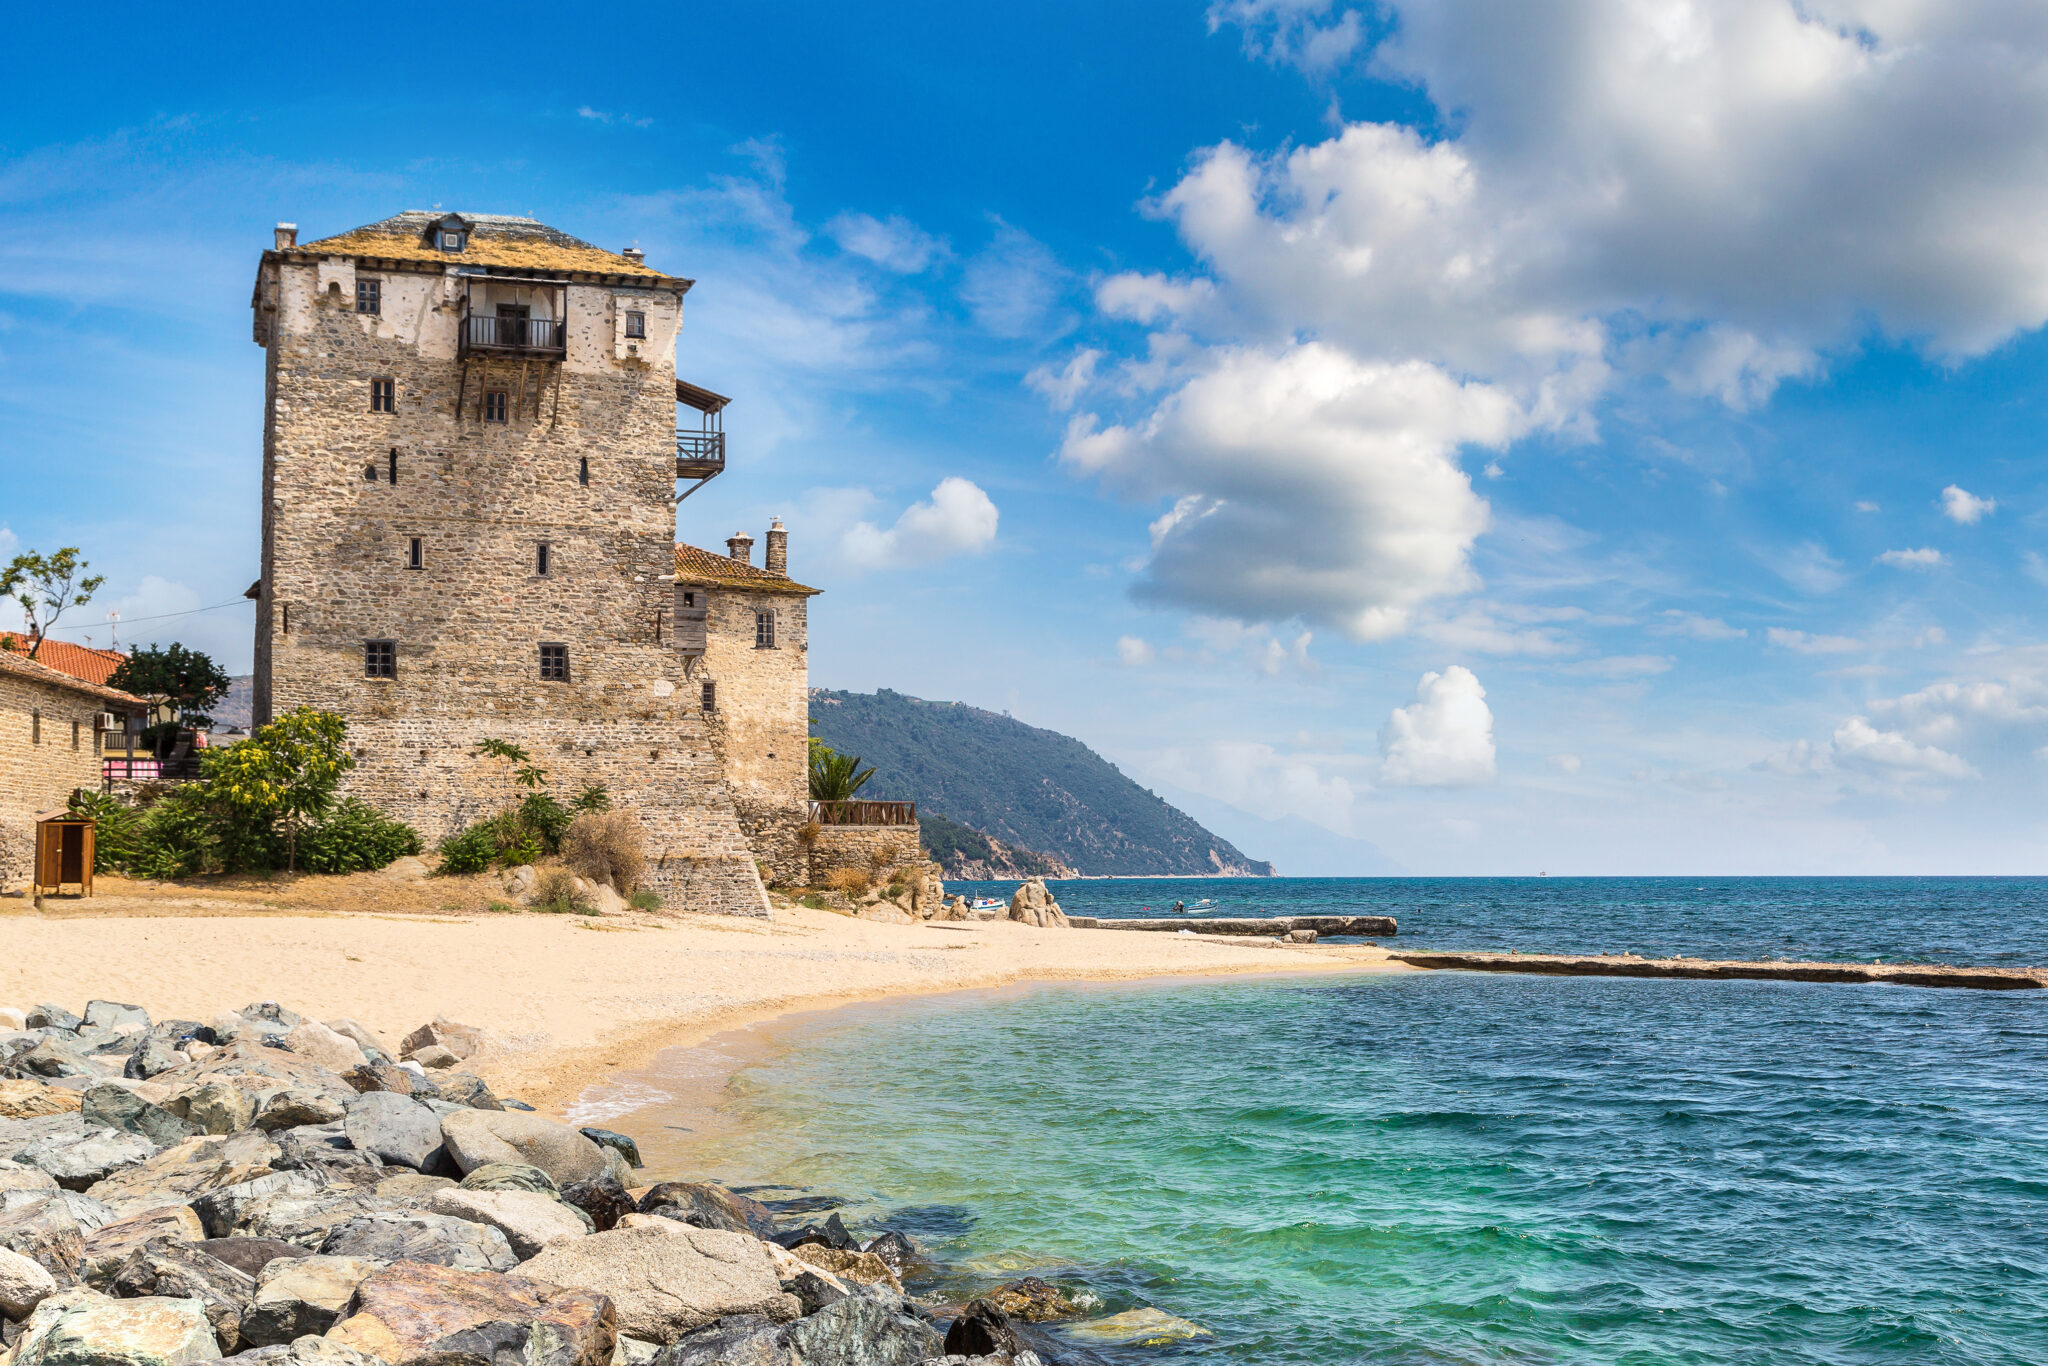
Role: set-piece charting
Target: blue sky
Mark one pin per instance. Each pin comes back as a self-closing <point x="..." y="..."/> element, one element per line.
<point x="1599" y="437"/>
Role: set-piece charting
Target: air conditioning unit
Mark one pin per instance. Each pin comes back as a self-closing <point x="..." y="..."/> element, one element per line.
<point x="109" y="721"/>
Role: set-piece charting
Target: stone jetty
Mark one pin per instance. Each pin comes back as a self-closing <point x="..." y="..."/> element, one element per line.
<point x="1631" y="965"/>
<point x="276" y="1190"/>
<point x="1322" y="926"/>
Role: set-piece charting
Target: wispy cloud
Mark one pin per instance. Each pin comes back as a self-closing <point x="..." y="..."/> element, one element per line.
<point x="1924" y="558"/>
<point x="623" y="120"/>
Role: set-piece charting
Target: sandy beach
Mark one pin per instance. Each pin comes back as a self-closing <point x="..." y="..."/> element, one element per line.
<point x="573" y="999"/>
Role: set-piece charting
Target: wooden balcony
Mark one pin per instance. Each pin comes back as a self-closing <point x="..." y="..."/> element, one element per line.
<point x="514" y="338"/>
<point x="864" y="813"/>
<point x="699" y="455"/>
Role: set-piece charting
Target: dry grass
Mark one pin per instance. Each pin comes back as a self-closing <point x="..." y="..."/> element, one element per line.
<point x="554" y="890"/>
<point x="852" y="881"/>
<point x="607" y="846"/>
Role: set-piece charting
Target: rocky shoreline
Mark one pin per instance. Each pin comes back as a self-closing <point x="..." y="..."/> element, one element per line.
<point x="273" y="1189"/>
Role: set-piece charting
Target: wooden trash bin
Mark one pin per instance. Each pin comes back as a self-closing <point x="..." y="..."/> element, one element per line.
<point x="64" y="853"/>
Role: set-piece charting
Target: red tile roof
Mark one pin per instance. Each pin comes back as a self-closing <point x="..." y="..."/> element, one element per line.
<point x="80" y="661"/>
<point x="702" y="566"/>
<point x="21" y="666"/>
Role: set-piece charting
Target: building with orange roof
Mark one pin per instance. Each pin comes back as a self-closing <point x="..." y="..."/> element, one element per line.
<point x="80" y="661"/>
<point x="53" y="726"/>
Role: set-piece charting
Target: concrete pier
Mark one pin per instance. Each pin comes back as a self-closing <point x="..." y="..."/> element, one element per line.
<point x="1365" y="926"/>
<point x="1628" y="965"/>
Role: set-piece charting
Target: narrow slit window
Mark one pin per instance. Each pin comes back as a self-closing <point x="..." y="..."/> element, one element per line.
<point x="287" y="627"/>
<point x="543" y="558"/>
<point x="394" y="464"/>
<point x="383" y="395"/>
<point x="554" y="663"/>
<point x="583" y="471"/>
<point x="764" y="630"/>
<point x="380" y="659"/>
<point x="494" y="405"/>
<point x="74" y="735"/>
<point x="369" y="296"/>
<point x="636" y="324"/>
<point x="710" y="695"/>
<point x="416" y="554"/>
<point x="35" y="728"/>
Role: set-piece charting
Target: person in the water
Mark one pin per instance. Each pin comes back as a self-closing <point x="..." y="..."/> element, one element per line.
<point x="1180" y="908"/>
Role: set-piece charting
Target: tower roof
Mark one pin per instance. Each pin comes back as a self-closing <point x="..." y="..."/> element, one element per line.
<point x="490" y="240"/>
<point x="723" y="571"/>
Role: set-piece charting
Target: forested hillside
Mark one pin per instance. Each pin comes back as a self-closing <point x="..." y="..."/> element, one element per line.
<point x="1029" y="788"/>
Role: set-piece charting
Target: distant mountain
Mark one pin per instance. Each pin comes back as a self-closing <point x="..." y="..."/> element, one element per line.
<point x="1028" y="788"/>
<point x="967" y="855"/>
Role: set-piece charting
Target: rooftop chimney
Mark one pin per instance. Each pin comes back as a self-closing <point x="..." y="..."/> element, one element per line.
<point x="634" y="254"/>
<point x="740" y="546"/>
<point x="778" y="549"/>
<point x="287" y="235"/>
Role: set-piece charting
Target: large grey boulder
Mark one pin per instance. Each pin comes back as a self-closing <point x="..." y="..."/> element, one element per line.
<point x="46" y="1233"/>
<point x="82" y="1327"/>
<point x="327" y="1149"/>
<point x="152" y="1058"/>
<point x="183" y="1271"/>
<point x="47" y="1016"/>
<point x="299" y="1295"/>
<point x="306" y="1220"/>
<point x="863" y="1331"/>
<point x="743" y="1340"/>
<point x="475" y="1137"/>
<point x="80" y="1163"/>
<point x="364" y="1038"/>
<point x="295" y="1105"/>
<point x="709" y="1206"/>
<point x="107" y="1247"/>
<point x="411" y="1235"/>
<point x="116" y="1107"/>
<point x="335" y="1052"/>
<point x="397" y="1128"/>
<point x="16" y="1134"/>
<point x="191" y="1168"/>
<point x="24" y="1284"/>
<point x="249" y="1255"/>
<point x="665" y="1278"/>
<point x="214" y="1107"/>
<point x="113" y="1015"/>
<point x="53" y="1058"/>
<point x="309" y="1351"/>
<point x="412" y="1312"/>
<point x="529" y="1220"/>
<point x="222" y="1212"/>
<point x="464" y="1041"/>
<point x="509" y="1176"/>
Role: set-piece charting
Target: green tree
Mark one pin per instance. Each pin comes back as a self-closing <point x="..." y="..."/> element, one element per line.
<point x="835" y="777"/>
<point x="47" y="586"/>
<point x="284" y="776"/>
<point x="187" y="679"/>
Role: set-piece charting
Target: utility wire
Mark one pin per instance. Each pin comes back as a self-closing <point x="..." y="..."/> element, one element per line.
<point x="161" y="616"/>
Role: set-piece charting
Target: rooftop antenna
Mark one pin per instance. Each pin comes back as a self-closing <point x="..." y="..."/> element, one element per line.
<point x="114" y="627"/>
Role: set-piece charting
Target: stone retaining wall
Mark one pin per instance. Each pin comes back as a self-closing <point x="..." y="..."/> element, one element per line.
<point x="854" y="846"/>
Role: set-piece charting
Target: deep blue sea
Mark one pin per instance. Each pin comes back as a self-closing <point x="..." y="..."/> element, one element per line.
<point x="1451" y="1167"/>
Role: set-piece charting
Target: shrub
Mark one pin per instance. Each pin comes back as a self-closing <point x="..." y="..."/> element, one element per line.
<point x="812" y="900"/>
<point x="555" y="891"/>
<point x="607" y="846"/>
<point x="469" y="851"/>
<point x="180" y="836"/>
<point x="808" y="832"/>
<point x="118" y="826"/>
<point x="644" y="900"/>
<point x="355" y="837"/>
<point x="851" y="881"/>
<point x="527" y="833"/>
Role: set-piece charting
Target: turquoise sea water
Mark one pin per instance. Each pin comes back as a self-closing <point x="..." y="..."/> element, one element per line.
<point x="1468" y="1168"/>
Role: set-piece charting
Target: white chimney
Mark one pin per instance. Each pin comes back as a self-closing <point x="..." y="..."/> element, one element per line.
<point x="287" y="235"/>
<point x="634" y="254"/>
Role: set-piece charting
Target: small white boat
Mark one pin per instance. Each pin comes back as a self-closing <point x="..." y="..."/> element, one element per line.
<point x="988" y="903"/>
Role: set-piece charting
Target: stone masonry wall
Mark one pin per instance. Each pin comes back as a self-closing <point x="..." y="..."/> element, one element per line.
<point x="763" y="721"/>
<point x="468" y="624"/>
<point x="36" y="777"/>
<point x="854" y="846"/>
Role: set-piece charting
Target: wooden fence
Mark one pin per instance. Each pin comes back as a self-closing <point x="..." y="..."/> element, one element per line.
<point x="864" y="813"/>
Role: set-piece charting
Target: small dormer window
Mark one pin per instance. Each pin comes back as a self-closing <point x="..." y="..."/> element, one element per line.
<point x="453" y="239"/>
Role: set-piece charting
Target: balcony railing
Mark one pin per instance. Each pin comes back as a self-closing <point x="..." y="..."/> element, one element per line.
<point x="864" y="813"/>
<point x="485" y="335"/>
<point x="699" y="455"/>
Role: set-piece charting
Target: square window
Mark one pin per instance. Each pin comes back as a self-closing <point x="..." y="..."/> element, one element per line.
<point x="451" y="241"/>
<point x="710" y="695"/>
<point x="543" y="558"/>
<point x="383" y="395"/>
<point x="494" y="405"/>
<point x="764" y="630"/>
<point x="636" y="324"/>
<point x="416" y="554"/>
<point x="380" y="659"/>
<point x="554" y="663"/>
<point x="369" y="296"/>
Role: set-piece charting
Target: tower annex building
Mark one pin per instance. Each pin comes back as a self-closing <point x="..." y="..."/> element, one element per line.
<point x="472" y="463"/>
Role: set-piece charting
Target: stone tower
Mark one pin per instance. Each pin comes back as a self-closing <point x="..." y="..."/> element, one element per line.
<point x="470" y="465"/>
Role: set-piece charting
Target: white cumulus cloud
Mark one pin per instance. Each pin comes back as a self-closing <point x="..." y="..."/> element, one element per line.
<point x="1442" y="739"/>
<point x="1134" y="651"/>
<point x="1304" y="483"/>
<point x="957" y="519"/>
<point x="1860" y="744"/>
<point x="1965" y="508"/>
